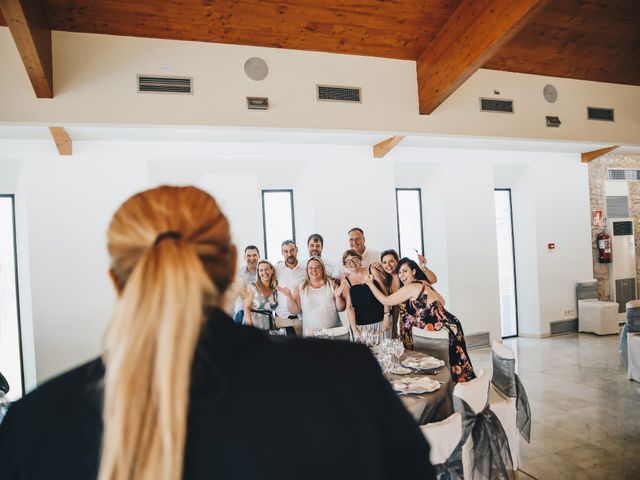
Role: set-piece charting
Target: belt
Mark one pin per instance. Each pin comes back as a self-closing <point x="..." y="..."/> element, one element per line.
<point x="293" y="317"/>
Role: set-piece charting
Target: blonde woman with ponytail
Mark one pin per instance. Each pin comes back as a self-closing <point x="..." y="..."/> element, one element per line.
<point x="173" y="395"/>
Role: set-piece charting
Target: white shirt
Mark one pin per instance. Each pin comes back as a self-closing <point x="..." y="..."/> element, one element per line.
<point x="289" y="278"/>
<point x="319" y="308"/>
<point x="244" y="277"/>
<point x="370" y="256"/>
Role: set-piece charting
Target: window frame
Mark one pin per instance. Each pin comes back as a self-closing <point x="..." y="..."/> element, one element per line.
<point x="515" y="272"/>
<point x="419" y="190"/>
<point x="12" y="198"/>
<point x="264" y="217"/>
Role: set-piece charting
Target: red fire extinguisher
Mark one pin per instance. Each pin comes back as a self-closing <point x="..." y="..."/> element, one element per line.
<point x="603" y="242"/>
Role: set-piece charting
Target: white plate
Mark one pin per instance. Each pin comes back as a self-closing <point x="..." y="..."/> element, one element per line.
<point x="426" y="363"/>
<point x="400" y="370"/>
<point x="415" y="385"/>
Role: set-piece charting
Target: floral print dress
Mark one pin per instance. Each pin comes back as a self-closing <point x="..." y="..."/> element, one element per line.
<point x="419" y="313"/>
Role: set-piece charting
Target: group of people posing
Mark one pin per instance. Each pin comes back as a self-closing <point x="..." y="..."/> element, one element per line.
<point x="381" y="293"/>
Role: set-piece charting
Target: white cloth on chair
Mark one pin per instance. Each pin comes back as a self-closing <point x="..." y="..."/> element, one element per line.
<point x="339" y="333"/>
<point x="633" y="353"/>
<point x="598" y="317"/>
<point x="443" y="437"/>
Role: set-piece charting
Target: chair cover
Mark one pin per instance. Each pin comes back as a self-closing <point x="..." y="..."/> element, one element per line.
<point x="339" y="333"/>
<point x="485" y="451"/>
<point x="434" y="343"/>
<point x="633" y="347"/>
<point x="598" y="317"/>
<point x="633" y="316"/>
<point x="445" y="454"/>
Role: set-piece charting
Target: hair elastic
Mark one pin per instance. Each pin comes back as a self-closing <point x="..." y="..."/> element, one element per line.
<point x="168" y="234"/>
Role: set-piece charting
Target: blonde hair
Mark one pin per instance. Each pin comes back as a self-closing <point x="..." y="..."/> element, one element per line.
<point x="273" y="282"/>
<point x="307" y="280"/>
<point x="171" y="257"/>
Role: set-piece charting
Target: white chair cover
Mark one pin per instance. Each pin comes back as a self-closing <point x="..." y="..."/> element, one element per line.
<point x="505" y="407"/>
<point x="443" y="437"/>
<point x="598" y="317"/>
<point x="633" y="352"/>
<point x="339" y="333"/>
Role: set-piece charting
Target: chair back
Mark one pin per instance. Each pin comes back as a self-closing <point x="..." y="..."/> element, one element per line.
<point x="475" y="392"/>
<point x="504" y="369"/>
<point x="587" y="290"/>
<point x="339" y="333"/>
<point x="434" y="343"/>
<point x="443" y="437"/>
<point x="633" y="316"/>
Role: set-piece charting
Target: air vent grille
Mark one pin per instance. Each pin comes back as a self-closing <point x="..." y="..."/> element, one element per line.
<point x="164" y="84"/>
<point x="622" y="228"/>
<point x="563" y="326"/>
<point x="494" y="105"/>
<point x="617" y="206"/>
<point x="623" y="174"/>
<point x="339" y="94"/>
<point x="625" y="292"/>
<point x="596" y="113"/>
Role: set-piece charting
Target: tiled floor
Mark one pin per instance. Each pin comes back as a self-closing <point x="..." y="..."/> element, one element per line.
<point x="586" y="413"/>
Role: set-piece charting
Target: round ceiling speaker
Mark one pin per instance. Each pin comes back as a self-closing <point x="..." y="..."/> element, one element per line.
<point x="550" y="93"/>
<point x="256" y="69"/>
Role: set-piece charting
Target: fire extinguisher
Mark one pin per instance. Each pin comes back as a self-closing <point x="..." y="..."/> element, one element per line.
<point x="603" y="243"/>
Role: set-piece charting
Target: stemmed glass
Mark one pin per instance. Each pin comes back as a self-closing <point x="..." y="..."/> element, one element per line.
<point x="398" y="349"/>
<point x="374" y="340"/>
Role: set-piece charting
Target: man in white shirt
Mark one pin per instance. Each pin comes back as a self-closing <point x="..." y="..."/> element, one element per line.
<point x="356" y="242"/>
<point x="315" y="244"/>
<point x="289" y="274"/>
<point x="245" y="276"/>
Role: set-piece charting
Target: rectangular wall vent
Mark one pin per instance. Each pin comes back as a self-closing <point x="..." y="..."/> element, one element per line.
<point x="331" y="93"/>
<point x="622" y="228"/>
<point x="164" y="84"/>
<point x="494" y="105"/>
<point x="553" y="122"/>
<point x="563" y="326"/>
<point x="597" y="113"/>
<point x="623" y="174"/>
<point x="477" y="340"/>
<point x="257" y="103"/>
<point x="625" y="292"/>
<point x="617" y="206"/>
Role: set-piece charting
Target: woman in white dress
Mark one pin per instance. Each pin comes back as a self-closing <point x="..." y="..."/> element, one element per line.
<point x="318" y="298"/>
<point x="261" y="296"/>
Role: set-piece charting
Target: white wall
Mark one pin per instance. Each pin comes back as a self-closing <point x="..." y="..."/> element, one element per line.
<point x="95" y="83"/>
<point x="69" y="200"/>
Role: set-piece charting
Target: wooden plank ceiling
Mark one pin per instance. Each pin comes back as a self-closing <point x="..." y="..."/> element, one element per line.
<point x="581" y="39"/>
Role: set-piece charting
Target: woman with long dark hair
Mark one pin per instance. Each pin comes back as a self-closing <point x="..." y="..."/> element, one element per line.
<point x="422" y="307"/>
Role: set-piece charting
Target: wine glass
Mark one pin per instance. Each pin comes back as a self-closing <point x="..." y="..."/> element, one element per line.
<point x="398" y="349"/>
<point x="374" y="339"/>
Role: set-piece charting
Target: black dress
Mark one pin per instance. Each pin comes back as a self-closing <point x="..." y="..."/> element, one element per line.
<point x="261" y="407"/>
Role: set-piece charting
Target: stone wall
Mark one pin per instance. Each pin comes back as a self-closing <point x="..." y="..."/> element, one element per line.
<point x="597" y="176"/>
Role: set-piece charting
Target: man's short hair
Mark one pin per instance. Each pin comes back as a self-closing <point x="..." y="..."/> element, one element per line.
<point x="316" y="237"/>
<point x="251" y="247"/>
<point x="288" y="242"/>
<point x="355" y="229"/>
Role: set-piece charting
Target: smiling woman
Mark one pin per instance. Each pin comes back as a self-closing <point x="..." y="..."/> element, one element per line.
<point x="10" y="351"/>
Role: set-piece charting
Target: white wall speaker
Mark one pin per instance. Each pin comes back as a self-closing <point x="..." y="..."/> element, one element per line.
<point x="256" y="69"/>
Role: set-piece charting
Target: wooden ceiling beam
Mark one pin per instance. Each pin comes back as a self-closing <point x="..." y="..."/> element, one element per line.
<point x="593" y="154"/>
<point x="62" y="139"/>
<point x="28" y="26"/>
<point x="471" y="36"/>
<point x="384" y="147"/>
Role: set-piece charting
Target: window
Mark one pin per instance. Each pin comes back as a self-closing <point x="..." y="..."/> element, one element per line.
<point x="278" y="221"/>
<point x="410" y="234"/>
<point x="10" y="340"/>
<point x="506" y="264"/>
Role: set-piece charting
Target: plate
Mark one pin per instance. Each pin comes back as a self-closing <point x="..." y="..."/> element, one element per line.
<point x="414" y="385"/>
<point x="400" y="370"/>
<point x="422" y="363"/>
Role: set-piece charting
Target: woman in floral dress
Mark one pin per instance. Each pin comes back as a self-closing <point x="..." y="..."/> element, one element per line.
<point x="422" y="307"/>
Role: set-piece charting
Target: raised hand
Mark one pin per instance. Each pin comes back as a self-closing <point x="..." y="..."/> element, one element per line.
<point x="247" y="297"/>
<point x="284" y="291"/>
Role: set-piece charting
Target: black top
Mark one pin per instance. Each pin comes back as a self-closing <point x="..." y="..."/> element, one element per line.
<point x="367" y="308"/>
<point x="261" y="408"/>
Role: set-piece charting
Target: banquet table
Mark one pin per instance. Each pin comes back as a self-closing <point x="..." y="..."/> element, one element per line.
<point x="432" y="406"/>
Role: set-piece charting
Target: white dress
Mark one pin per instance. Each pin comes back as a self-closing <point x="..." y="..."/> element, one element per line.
<point x="318" y="308"/>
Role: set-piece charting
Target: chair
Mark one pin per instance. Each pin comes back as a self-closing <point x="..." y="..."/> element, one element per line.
<point x="633" y="351"/>
<point x="595" y="316"/>
<point x="485" y="449"/>
<point x="339" y="333"/>
<point x="502" y="395"/>
<point x="443" y="438"/>
<point x="434" y="343"/>
<point x="631" y="325"/>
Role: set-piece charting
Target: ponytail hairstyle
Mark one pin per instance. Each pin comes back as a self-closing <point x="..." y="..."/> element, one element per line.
<point x="171" y="257"/>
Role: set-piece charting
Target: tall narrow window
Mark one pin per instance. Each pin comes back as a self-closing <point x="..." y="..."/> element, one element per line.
<point x="278" y="221"/>
<point x="410" y="234"/>
<point x="506" y="264"/>
<point x="10" y="344"/>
